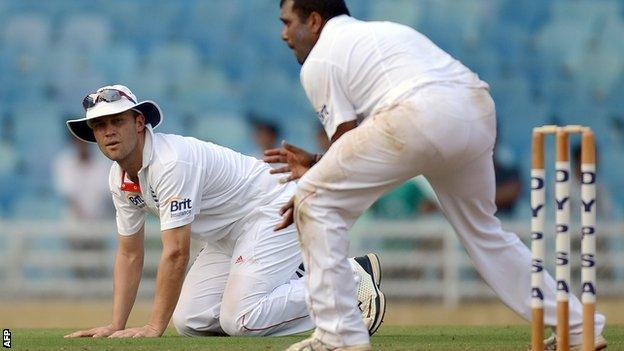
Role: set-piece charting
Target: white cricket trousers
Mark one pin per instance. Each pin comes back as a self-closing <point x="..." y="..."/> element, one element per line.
<point x="446" y="133"/>
<point x="245" y="283"/>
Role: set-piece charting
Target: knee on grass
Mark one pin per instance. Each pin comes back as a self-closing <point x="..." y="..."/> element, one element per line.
<point x="239" y="317"/>
<point x="188" y="324"/>
<point x="242" y="324"/>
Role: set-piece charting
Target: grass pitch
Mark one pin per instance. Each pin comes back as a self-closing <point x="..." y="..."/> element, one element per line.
<point x="388" y="338"/>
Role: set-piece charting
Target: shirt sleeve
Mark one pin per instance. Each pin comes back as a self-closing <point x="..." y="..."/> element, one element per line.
<point x="325" y="86"/>
<point x="129" y="207"/>
<point x="179" y="193"/>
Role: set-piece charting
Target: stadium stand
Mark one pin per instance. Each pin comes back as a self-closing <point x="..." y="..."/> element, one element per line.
<point x="207" y="63"/>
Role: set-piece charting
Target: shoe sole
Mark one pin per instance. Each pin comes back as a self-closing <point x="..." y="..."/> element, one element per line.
<point x="381" y="306"/>
<point x="375" y="268"/>
<point x="371" y="263"/>
<point x="380" y="301"/>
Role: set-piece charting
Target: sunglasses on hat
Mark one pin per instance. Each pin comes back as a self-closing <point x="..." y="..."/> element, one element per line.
<point x="108" y="95"/>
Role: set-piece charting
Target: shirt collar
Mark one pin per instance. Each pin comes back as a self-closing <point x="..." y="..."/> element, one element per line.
<point x="329" y="26"/>
<point x="334" y="21"/>
<point x="148" y="149"/>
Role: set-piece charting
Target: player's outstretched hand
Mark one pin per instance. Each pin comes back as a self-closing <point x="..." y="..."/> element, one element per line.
<point x="287" y="213"/>
<point x="298" y="161"/>
<point x="146" y="331"/>
<point x="99" y="332"/>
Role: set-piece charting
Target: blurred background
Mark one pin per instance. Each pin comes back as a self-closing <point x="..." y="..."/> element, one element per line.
<point x="221" y="73"/>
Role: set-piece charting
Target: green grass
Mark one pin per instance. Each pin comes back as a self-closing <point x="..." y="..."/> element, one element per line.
<point x="388" y="338"/>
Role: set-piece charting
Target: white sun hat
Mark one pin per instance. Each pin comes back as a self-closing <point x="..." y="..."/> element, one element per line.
<point x="110" y="100"/>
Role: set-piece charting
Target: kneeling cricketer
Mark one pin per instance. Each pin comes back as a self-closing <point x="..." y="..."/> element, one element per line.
<point x="248" y="278"/>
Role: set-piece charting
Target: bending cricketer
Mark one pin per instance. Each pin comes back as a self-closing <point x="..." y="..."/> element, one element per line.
<point x="394" y="106"/>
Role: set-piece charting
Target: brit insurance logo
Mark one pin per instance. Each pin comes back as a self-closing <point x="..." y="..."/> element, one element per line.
<point x="180" y="207"/>
<point x="136" y="200"/>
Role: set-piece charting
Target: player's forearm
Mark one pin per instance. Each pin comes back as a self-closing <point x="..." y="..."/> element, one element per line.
<point x="126" y="279"/>
<point x="171" y="270"/>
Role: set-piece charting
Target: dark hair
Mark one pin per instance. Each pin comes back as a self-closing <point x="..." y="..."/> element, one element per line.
<point x="267" y="126"/>
<point x="260" y="122"/>
<point x="328" y="9"/>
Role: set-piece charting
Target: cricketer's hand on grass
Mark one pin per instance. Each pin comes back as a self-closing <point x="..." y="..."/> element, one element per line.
<point x="146" y="331"/>
<point x="99" y="332"/>
<point x="298" y="161"/>
<point x="127" y="276"/>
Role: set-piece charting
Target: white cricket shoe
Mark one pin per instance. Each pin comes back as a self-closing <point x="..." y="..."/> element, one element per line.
<point x="550" y="344"/>
<point x="371" y="300"/>
<point x="313" y="344"/>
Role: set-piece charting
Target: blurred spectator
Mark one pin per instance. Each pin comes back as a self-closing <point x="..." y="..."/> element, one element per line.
<point x="266" y="135"/>
<point x="9" y="162"/>
<point x="508" y="184"/>
<point x="406" y="201"/>
<point x="81" y="179"/>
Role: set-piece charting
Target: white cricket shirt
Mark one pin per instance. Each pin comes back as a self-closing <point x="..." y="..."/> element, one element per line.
<point x="358" y="67"/>
<point x="186" y="180"/>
